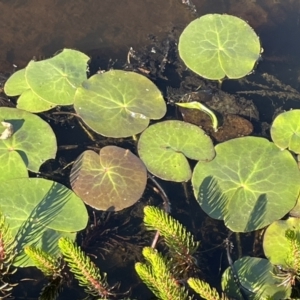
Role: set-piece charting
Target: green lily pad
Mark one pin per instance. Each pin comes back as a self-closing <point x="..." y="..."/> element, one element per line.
<point x="113" y="180"/>
<point x="275" y="243"/>
<point x="249" y="184"/>
<point x="49" y="82"/>
<point x="33" y="139"/>
<point x="33" y="205"/>
<point x="257" y="281"/>
<point x="119" y="103"/>
<point x="165" y="147"/>
<point x="285" y="130"/>
<point x="29" y="101"/>
<point x="215" y="46"/>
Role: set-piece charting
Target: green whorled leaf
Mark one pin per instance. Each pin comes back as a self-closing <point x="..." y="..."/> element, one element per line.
<point x="215" y="46"/>
<point x="33" y="205"/>
<point x="48" y="242"/>
<point x="12" y="166"/>
<point x="33" y="139"/>
<point x="257" y="280"/>
<point x="113" y="180"/>
<point x="16" y="84"/>
<point x="165" y="147"/>
<point x="56" y="79"/>
<point x="249" y="184"/>
<point x="29" y="101"/>
<point x="275" y="243"/>
<point x="119" y="103"/>
<point x="285" y="130"/>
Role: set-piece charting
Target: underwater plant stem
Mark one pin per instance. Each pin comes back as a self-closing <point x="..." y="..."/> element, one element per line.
<point x="166" y="201"/>
<point x="239" y="244"/>
<point x="235" y="275"/>
<point x="166" y="205"/>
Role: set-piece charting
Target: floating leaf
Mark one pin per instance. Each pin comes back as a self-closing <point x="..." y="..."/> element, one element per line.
<point x="113" y="180"/>
<point x="257" y="280"/>
<point x="30" y="132"/>
<point x="165" y="147"/>
<point x="50" y="82"/>
<point x="215" y="46"/>
<point x="33" y="205"/>
<point x="275" y="243"/>
<point x="119" y="103"/>
<point x="285" y="130"/>
<point x="249" y="184"/>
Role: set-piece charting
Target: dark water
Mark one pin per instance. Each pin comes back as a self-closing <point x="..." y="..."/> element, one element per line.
<point x="106" y="30"/>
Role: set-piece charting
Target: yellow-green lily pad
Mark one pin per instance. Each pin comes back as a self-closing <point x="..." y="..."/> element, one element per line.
<point x="164" y="148"/>
<point x="285" y="130"/>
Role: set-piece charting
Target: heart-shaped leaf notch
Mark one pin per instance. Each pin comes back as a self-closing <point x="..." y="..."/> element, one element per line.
<point x="113" y="180"/>
<point x="165" y="147"/>
<point x="118" y="103"/>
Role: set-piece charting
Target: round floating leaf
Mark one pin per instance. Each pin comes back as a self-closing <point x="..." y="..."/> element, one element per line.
<point x="285" y="130"/>
<point x="33" y="139"/>
<point x="249" y="184"/>
<point x="56" y="79"/>
<point x="33" y="205"/>
<point x="215" y="46"/>
<point x="257" y="280"/>
<point x="163" y="148"/>
<point x="275" y="243"/>
<point x="113" y="180"/>
<point x="119" y="103"/>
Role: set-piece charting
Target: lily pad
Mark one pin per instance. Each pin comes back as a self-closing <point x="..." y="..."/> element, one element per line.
<point x="285" y="130"/>
<point x="113" y="180"/>
<point x="49" y="82"/>
<point x="215" y="46"/>
<point x="257" y="281"/>
<point x="275" y="243"/>
<point x="34" y="205"/>
<point x="119" y="103"/>
<point x="29" y="101"/>
<point x="165" y="147"/>
<point x="249" y="184"/>
<point x="33" y="140"/>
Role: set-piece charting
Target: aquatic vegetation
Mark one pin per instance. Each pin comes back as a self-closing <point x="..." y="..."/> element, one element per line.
<point x="44" y="84"/>
<point x="165" y="147"/>
<point x="118" y="103"/>
<point x="113" y="180"/>
<point x="217" y="46"/>
<point x="285" y="130"/>
<point x="248" y="182"/>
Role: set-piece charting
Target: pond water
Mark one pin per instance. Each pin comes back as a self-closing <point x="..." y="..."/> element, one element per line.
<point x="106" y="30"/>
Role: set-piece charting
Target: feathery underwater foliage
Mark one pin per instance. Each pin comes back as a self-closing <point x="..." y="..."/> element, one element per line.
<point x="156" y="274"/>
